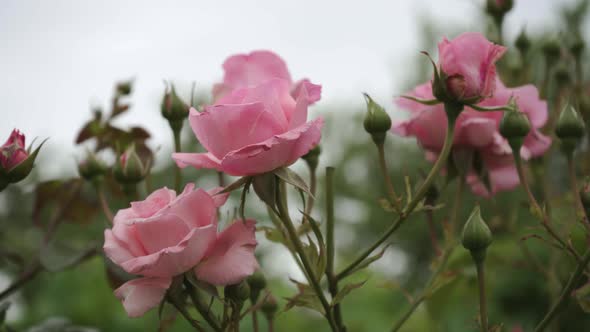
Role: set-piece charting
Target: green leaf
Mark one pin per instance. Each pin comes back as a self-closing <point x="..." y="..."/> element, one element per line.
<point x="317" y="257"/>
<point x="235" y="185"/>
<point x="305" y="297"/>
<point x="265" y="186"/>
<point x="345" y="291"/>
<point x="202" y="285"/>
<point x="582" y="295"/>
<point x="367" y="262"/>
<point x="292" y="178"/>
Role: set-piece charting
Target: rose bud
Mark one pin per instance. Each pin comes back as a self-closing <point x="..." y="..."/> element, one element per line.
<point x="515" y="126"/>
<point x="570" y="128"/>
<point x="257" y="283"/>
<point x="476" y="236"/>
<point x="238" y="293"/>
<point x="523" y="43"/>
<point x="269" y="307"/>
<point x="467" y="66"/>
<point x="124" y="88"/>
<point x="312" y="158"/>
<point x="577" y="47"/>
<point x="377" y="121"/>
<point x="562" y="75"/>
<point x="552" y="50"/>
<point x="130" y="169"/>
<point x="498" y="8"/>
<point x="92" y="169"/>
<point x="16" y="162"/>
<point x="173" y="108"/>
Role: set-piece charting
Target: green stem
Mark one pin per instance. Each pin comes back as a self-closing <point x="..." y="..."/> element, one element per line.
<point x="255" y="321"/>
<point x="312" y="188"/>
<point x="425" y="292"/>
<point x="104" y="205"/>
<point x="442" y="159"/>
<point x="185" y="314"/>
<point x="565" y="294"/>
<point x="177" y="148"/>
<point x="292" y="232"/>
<point x="483" y="312"/>
<point x="580" y="211"/>
<point x="332" y="280"/>
<point x="393" y="197"/>
<point x="537" y="211"/>
<point x="201" y="307"/>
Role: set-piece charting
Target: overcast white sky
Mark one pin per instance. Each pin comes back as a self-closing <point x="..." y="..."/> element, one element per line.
<point x="58" y="57"/>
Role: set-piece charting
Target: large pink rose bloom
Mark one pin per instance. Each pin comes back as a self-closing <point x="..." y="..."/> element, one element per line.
<point x="255" y="68"/>
<point x="469" y="65"/>
<point x="167" y="235"/>
<point x="478" y="132"/>
<point x="13" y="152"/>
<point x="258" y="126"/>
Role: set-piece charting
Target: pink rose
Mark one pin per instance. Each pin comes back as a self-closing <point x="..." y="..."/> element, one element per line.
<point x="478" y="132"/>
<point x="249" y="70"/>
<point x="468" y="67"/>
<point x="167" y="235"/>
<point x="257" y="127"/>
<point x="13" y="152"/>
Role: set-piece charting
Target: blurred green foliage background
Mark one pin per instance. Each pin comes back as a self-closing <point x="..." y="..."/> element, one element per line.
<point x="520" y="292"/>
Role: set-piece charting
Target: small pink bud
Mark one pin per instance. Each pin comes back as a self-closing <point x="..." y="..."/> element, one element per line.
<point x="13" y="152"/>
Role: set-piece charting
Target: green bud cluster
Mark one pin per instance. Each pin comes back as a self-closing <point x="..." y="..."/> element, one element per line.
<point x="570" y="128"/>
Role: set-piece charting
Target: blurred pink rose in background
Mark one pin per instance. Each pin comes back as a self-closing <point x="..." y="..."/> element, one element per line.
<point x="478" y="132"/>
<point x="259" y="120"/>
<point x="167" y="235"/>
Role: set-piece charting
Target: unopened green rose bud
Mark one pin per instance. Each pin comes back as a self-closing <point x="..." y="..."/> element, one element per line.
<point x="562" y="74"/>
<point x="498" y="8"/>
<point x="270" y="307"/>
<point x="570" y="128"/>
<point x="523" y="43"/>
<point x="238" y="293"/>
<point x="514" y="126"/>
<point x="257" y="283"/>
<point x="312" y="158"/>
<point x="552" y="50"/>
<point x="577" y="47"/>
<point x="476" y="235"/>
<point x="92" y="169"/>
<point x="173" y="108"/>
<point x="377" y="121"/>
<point x="129" y="169"/>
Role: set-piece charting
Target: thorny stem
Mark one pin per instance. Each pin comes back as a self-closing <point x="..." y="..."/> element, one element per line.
<point x="442" y="159"/>
<point x="104" y="205"/>
<point x="565" y="294"/>
<point x="292" y="232"/>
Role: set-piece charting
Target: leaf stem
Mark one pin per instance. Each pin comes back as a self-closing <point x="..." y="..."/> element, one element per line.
<point x="393" y="197"/>
<point x="483" y="312"/>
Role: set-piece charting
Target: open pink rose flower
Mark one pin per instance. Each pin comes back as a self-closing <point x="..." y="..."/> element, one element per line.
<point x="167" y="235"/>
<point x="259" y="123"/>
<point x="478" y="132"/>
<point x="469" y="66"/>
<point x="13" y="152"/>
<point x="255" y="68"/>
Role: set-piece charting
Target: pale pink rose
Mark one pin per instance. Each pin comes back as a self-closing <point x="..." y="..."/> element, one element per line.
<point x="13" y="152"/>
<point x="255" y="68"/>
<point x="167" y="235"/>
<point x="256" y="130"/>
<point x="469" y="66"/>
<point x="478" y="132"/>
